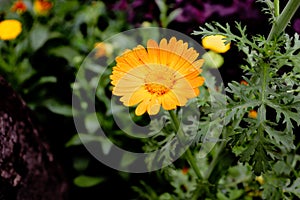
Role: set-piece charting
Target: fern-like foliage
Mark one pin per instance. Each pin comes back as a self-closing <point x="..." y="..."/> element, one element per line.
<point x="272" y="73"/>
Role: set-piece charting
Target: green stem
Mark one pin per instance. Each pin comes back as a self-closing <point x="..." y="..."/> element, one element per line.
<point x="215" y="160"/>
<point x="276" y="8"/>
<point x="264" y="82"/>
<point x="188" y="154"/>
<point x="284" y="18"/>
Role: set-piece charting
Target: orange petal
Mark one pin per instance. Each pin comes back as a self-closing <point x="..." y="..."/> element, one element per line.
<point x="142" y="107"/>
<point x="153" y="106"/>
<point x="169" y="101"/>
<point x="153" y="51"/>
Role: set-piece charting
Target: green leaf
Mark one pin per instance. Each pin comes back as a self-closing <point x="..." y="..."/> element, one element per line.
<point x="294" y="188"/>
<point x="42" y="80"/>
<point x="91" y="123"/>
<point x="235" y="194"/>
<point x="222" y="196"/>
<point x="66" y="52"/>
<point x="281" y="167"/>
<point x="260" y="159"/>
<point x="271" y="192"/>
<point x="286" y="139"/>
<point x="25" y="71"/>
<point x="174" y="14"/>
<point x="165" y="196"/>
<point x="256" y="155"/>
<point x="38" y="36"/>
<point x="82" y="138"/>
<point x="80" y="164"/>
<point x="58" y="108"/>
<point x="87" y="181"/>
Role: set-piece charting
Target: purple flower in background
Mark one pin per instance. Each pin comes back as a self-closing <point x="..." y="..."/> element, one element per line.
<point x="296" y="25"/>
<point x="201" y="11"/>
<point x="120" y="5"/>
<point x="190" y="13"/>
<point x="195" y="13"/>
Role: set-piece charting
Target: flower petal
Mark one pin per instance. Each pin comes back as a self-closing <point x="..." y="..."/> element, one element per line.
<point x="142" y="107"/>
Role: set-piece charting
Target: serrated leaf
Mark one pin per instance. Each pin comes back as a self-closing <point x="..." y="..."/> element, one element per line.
<point x="281" y="167"/>
<point x="286" y="139"/>
<point x="271" y="192"/>
<point x="260" y="159"/>
<point x="294" y="188"/>
<point x="246" y="154"/>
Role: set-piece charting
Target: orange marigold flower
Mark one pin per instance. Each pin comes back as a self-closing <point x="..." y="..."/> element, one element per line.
<point x="10" y="29"/>
<point x="215" y="43"/>
<point x="164" y="74"/>
<point x="252" y="114"/>
<point x="243" y="82"/>
<point x="103" y="49"/>
<point x="42" y="7"/>
<point x="19" y="7"/>
<point x="185" y="170"/>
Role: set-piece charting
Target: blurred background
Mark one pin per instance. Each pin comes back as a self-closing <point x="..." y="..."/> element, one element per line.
<point x="41" y="64"/>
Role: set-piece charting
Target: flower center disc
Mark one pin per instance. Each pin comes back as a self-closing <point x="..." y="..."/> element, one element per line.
<point x="159" y="82"/>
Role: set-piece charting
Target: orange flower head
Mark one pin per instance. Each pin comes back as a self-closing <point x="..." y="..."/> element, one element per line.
<point x="243" y="82"/>
<point x="252" y="114"/>
<point x="164" y="74"/>
<point x="185" y="170"/>
<point x="19" y="7"/>
<point x="42" y="7"/>
<point x="103" y="49"/>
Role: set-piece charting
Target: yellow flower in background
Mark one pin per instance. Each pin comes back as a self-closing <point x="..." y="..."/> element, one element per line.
<point x="10" y="29"/>
<point x="215" y="43"/>
<point x="260" y="179"/>
<point x="19" y="7"/>
<point x="42" y="7"/>
<point x="164" y="74"/>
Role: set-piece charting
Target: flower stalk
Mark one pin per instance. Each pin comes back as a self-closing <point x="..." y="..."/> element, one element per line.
<point x="188" y="154"/>
<point x="276" y="8"/>
<point x="284" y="18"/>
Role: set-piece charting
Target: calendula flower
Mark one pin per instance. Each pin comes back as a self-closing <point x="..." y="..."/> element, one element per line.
<point x="252" y="114"/>
<point x="10" y="29"/>
<point x="185" y="170"/>
<point x="260" y="179"/>
<point x="164" y="74"/>
<point x="215" y="43"/>
<point x="42" y="7"/>
<point x="243" y="82"/>
<point x="19" y="7"/>
<point x="103" y="49"/>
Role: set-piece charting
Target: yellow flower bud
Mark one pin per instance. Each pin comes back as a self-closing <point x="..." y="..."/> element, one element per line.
<point x="215" y="43"/>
